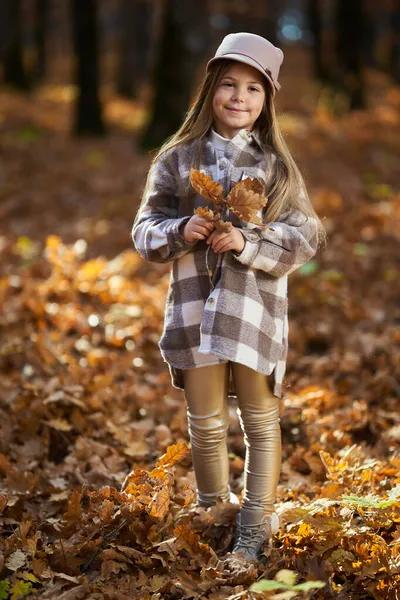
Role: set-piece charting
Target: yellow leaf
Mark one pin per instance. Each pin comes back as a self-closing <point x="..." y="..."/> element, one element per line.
<point x="173" y="455"/>
<point x="20" y="589"/>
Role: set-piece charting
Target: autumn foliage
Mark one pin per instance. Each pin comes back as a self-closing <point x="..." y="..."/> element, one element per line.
<point x="97" y="489"/>
<point x="244" y="200"/>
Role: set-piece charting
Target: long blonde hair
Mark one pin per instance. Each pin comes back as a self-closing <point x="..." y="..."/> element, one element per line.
<point x="284" y="186"/>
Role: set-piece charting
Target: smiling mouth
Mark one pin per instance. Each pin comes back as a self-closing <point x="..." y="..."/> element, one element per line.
<point x="235" y="110"/>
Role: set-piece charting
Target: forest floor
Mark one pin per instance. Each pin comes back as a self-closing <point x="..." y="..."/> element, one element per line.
<point x="85" y="397"/>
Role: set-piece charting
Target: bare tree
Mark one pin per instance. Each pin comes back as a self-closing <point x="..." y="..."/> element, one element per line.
<point x="394" y="57"/>
<point x="88" y="118"/>
<point x="316" y="25"/>
<point x="134" y="46"/>
<point x="350" y="30"/>
<point x="41" y="15"/>
<point x="184" y="38"/>
<point x="12" y="55"/>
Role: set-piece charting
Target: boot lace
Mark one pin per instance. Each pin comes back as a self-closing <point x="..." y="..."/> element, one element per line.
<point x="250" y="537"/>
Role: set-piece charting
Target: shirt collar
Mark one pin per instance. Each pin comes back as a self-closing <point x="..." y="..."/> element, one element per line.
<point x="243" y="137"/>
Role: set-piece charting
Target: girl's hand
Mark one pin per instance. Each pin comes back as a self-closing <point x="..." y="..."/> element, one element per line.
<point x="221" y="242"/>
<point x="197" y="228"/>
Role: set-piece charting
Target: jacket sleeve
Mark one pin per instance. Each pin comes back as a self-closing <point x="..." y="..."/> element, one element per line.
<point x="292" y="243"/>
<point x="156" y="232"/>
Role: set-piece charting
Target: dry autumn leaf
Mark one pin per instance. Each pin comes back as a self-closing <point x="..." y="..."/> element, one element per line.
<point x="173" y="455"/>
<point x="159" y="504"/>
<point x="206" y="213"/>
<point x="206" y="187"/>
<point x="244" y="200"/>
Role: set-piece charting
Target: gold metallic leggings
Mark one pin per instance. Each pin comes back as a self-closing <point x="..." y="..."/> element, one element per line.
<point x="206" y="395"/>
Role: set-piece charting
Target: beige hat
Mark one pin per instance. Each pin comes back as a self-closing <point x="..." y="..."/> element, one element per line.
<point x="252" y="50"/>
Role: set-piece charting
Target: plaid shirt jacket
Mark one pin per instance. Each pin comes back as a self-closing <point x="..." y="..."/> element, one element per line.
<point x="241" y="314"/>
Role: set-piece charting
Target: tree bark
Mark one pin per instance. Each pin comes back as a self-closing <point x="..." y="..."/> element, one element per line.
<point x="350" y="29"/>
<point x="134" y="46"/>
<point x="41" y="17"/>
<point x="88" y="113"/>
<point x="14" y="71"/>
<point x="184" y="37"/>
<point x="315" y="22"/>
<point x="394" y="58"/>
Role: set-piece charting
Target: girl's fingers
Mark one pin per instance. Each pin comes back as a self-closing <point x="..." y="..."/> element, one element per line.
<point x="204" y="231"/>
<point x="221" y="242"/>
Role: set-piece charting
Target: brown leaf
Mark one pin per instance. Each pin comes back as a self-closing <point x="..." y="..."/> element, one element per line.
<point x="206" y="213"/>
<point x="173" y="455"/>
<point x="74" y="507"/>
<point x="107" y="511"/>
<point x="159" y="504"/>
<point x="245" y="203"/>
<point x="111" y="567"/>
<point x="223" y="226"/>
<point x="205" y="186"/>
<point x="188" y="539"/>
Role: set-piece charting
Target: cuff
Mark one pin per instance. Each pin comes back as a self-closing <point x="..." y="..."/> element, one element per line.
<point x="249" y="252"/>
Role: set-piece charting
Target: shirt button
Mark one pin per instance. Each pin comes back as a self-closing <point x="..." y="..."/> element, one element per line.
<point x="210" y="301"/>
<point x="222" y="164"/>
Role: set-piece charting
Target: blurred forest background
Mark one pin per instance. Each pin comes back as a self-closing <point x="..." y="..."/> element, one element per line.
<point x="88" y="90"/>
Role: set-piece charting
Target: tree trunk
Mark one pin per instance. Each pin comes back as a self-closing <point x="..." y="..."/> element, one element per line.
<point x="315" y="22"/>
<point x="134" y="46"/>
<point x="184" y="37"/>
<point x="350" y="28"/>
<point x="41" y="16"/>
<point x="394" y="58"/>
<point x="14" y="71"/>
<point x="88" y="114"/>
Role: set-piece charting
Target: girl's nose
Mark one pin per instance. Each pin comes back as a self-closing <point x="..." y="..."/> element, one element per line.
<point x="238" y="95"/>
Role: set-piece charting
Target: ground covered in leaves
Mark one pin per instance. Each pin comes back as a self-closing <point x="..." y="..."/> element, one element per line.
<point x="85" y="398"/>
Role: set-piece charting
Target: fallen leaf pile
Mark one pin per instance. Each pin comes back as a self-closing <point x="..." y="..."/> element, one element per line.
<point x="97" y="497"/>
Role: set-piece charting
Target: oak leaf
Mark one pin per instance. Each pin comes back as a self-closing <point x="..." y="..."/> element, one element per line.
<point x="20" y="589"/>
<point x="206" y="213"/>
<point x="224" y="226"/>
<point x="206" y="186"/>
<point x="107" y="511"/>
<point x="173" y="455"/>
<point x="74" y="507"/>
<point x="245" y="202"/>
<point x="159" y="504"/>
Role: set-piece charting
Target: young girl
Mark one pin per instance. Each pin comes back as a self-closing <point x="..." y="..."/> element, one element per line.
<point x="226" y="324"/>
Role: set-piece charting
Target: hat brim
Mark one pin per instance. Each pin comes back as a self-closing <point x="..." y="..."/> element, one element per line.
<point x="247" y="61"/>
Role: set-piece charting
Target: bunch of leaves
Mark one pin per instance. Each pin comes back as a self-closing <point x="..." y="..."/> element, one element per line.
<point x="244" y="200"/>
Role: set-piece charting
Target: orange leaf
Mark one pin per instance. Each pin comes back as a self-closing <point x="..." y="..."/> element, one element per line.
<point x="107" y="511"/>
<point x="173" y="455"/>
<point x="206" y="213"/>
<point x="224" y="226"/>
<point x="205" y="186"/>
<point x="74" y="507"/>
<point x="244" y="202"/>
<point x="159" y="504"/>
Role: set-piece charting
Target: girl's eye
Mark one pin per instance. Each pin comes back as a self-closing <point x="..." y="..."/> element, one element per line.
<point x="230" y="84"/>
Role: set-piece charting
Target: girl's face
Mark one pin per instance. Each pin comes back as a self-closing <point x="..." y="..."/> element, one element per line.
<point x="238" y="99"/>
